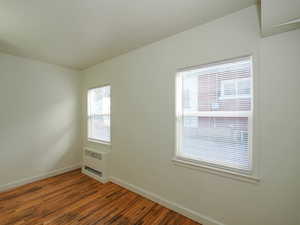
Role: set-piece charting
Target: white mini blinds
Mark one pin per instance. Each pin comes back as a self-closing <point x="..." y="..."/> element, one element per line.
<point x="214" y="115"/>
<point x="99" y="114"/>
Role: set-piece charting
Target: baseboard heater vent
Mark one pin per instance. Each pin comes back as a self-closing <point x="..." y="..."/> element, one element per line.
<point x="94" y="155"/>
<point x="91" y="170"/>
<point x="95" y="164"/>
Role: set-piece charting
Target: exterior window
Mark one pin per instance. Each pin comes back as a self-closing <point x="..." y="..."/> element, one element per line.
<point x="235" y="88"/>
<point x="99" y="114"/>
<point x="215" y="128"/>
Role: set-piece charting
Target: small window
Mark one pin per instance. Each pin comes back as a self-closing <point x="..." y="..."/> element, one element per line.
<point x="215" y="127"/>
<point x="99" y="114"/>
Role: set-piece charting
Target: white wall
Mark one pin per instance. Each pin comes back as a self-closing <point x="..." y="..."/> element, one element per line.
<point x="39" y="119"/>
<point x="143" y="121"/>
<point x="280" y="110"/>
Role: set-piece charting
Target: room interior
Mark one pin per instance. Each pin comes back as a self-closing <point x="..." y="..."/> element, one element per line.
<point x="149" y="112"/>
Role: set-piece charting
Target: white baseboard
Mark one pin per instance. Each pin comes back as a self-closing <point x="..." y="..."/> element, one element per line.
<point x="24" y="181"/>
<point x="205" y="220"/>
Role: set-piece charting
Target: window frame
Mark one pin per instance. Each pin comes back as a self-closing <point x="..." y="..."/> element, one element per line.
<point x="93" y="140"/>
<point x="179" y="159"/>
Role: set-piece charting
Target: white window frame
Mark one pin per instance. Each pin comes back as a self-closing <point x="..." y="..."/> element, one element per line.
<point x="235" y="82"/>
<point x="180" y="159"/>
<point x="87" y="117"/>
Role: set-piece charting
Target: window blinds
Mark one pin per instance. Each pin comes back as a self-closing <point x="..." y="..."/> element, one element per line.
<point x="215" y="114"/>
<point x="99" y="114"/>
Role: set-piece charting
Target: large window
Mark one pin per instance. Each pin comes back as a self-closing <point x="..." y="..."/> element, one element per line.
<point x="99" y="114"/>
<point x="214" y="115"/>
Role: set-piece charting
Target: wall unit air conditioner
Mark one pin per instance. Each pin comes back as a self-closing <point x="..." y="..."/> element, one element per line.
<point x="95" y="164"/>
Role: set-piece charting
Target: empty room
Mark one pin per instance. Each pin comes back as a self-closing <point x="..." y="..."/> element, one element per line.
<point x="149" y="112"/>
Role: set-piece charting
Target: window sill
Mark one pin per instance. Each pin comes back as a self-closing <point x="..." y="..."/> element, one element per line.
<point x="99" y="142"/>
<point x="217" y="171"/>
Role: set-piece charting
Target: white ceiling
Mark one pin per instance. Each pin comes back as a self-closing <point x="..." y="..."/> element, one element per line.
<point x="278" y="16"/>
<point x="81" y="33"/>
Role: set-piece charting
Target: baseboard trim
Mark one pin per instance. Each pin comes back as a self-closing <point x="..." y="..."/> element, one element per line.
<point x="12" y="185"/>
<point x="205" y="220"/>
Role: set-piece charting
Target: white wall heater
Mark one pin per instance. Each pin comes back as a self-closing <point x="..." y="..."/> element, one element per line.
<point x="95" y="164"/>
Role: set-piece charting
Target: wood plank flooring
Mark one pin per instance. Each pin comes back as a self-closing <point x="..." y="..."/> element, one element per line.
<point x="75" y="199"/>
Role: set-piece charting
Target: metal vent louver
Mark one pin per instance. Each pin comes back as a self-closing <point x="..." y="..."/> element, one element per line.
<point x="93" y="154"/>
<point x="91" y="170"/>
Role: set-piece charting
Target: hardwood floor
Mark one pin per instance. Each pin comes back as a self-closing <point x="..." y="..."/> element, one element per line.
<point x="75" y="199"/>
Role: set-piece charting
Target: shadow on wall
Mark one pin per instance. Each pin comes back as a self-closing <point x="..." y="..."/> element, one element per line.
<point x="7" y="47"/>
<point x="39" y="141"/>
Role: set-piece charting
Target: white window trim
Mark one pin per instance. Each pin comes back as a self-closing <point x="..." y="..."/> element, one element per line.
<point x="215" y="170"/>
<point x="235" y="82"/>
<point x="178" y="159"/>
<point x="93" y="140"/>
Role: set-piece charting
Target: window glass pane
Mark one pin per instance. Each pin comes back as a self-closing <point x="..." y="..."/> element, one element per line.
<point x="99" y="127"/>
<point x="190" y="121"/>
<point x="217" y="88"/>
<point x="99" y="114"/>
<point x="228" y="88"/>
<point x="190" y="93"/>
<point x="221" y="140"/>
<point x="216" y="108"/>
<point x="243" y="87"/>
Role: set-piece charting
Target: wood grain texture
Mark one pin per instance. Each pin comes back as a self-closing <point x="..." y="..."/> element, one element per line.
<point x="75" y="199"/>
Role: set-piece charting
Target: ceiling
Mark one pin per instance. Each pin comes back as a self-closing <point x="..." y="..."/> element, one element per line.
<point x="279" y="16"/>
<point x="81" y="33"/>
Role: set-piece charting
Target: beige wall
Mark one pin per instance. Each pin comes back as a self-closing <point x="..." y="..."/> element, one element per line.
<point x="280" y="110"/>
<point x="39" y="119"/>
<point x="143" y="121"/>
